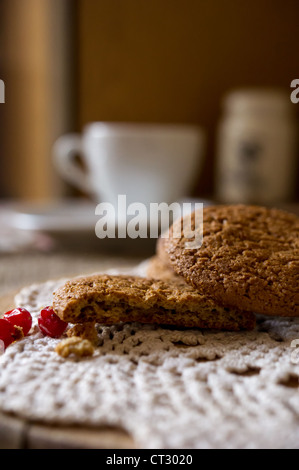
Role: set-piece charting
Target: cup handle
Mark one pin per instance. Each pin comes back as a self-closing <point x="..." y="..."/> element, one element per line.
<point x="65" y="149"/>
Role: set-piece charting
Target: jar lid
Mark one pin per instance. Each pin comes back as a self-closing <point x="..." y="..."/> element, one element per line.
<point x="258" y="100"/>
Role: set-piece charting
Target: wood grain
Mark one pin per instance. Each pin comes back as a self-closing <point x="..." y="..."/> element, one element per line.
<point x="18" y="433"/>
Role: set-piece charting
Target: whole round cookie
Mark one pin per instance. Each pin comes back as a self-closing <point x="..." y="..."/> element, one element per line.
<point x="249" y="257"/>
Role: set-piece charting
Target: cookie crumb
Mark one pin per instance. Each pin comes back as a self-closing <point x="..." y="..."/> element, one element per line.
<point x="18" y="333"/>
<point x="85" y="331"/>
<point x="75" y="345"/>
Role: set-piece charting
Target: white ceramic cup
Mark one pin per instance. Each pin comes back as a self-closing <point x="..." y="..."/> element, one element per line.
<point x="146" y="162"/>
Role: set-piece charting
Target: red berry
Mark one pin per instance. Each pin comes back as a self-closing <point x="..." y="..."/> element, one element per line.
<point x="19" y="317"/>
<point x="6" y="332"/>
<point x="50" y="324"/>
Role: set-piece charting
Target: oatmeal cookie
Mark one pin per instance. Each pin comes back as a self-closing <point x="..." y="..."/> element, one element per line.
<point x="108" y="299"/>
<point x="249" y="258"/>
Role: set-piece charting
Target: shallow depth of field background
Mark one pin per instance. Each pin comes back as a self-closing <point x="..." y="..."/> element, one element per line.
<point x="68" y="62"/>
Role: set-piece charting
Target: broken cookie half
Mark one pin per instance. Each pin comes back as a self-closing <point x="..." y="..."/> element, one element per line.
<point x="108" y="299"/>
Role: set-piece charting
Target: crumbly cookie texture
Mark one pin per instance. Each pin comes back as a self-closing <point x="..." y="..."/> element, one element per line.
<point x="86" y="330"/>
<point x="74" y="346"/>
<point x="157" y="269"/>
<point x="249" y="258"/>
<point x="18" y="333"/>
<point x="108" y="299"/>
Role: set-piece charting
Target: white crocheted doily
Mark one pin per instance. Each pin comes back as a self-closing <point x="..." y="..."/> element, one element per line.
<point x="169" y="388"/>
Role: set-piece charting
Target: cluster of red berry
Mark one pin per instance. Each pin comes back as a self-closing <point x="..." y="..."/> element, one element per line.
<point x="49" y="324"/>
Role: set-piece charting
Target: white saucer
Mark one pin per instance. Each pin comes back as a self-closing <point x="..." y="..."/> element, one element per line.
<point x="62" y="216"/>
<point x="68" y="215"/>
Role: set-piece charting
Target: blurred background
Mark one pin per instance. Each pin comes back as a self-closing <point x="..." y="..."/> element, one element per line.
<point x="66" y="63"/>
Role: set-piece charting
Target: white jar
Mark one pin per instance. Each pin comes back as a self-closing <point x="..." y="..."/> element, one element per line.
<point x="256" y="157"/>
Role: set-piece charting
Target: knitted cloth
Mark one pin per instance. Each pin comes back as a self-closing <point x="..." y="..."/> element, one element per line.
<point x="168" y="387"/>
